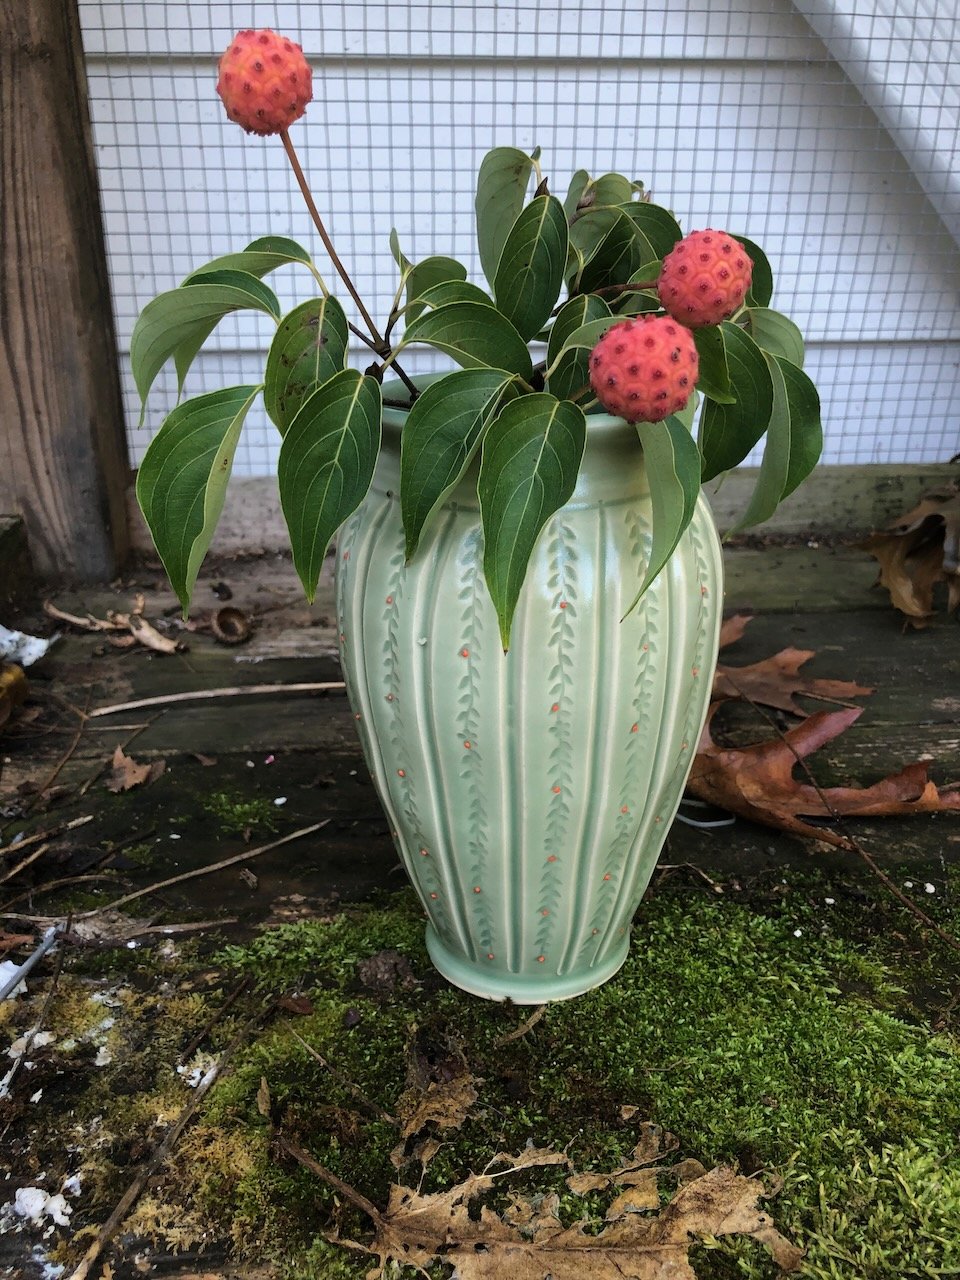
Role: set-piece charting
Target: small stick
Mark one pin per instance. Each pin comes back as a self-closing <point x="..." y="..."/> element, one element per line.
<point x="31" y="857"/>
<point x="45" y="835"/>
<point x="205" y="871"/>
<point x="35" y="892"/>
<point x="360" y="1202"/>
<point x="201" y="1035"/>
<point x="519" y="1032"/>
<point x="689" y="866"/>
<point x="160" y="1153"/>
<point x="45" y="787"/>
<point x="347" y="1084"/>
<point x="198" y="695"/>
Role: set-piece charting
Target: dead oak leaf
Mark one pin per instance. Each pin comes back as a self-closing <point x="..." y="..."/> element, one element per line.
<point x="654" y="1144"/>
<point x="757" y="782"/>
<point x="126" y="773"/>
<point x="918" y="550"/>
<point x="776" y="682"/>
<point x="529" y="1242"/>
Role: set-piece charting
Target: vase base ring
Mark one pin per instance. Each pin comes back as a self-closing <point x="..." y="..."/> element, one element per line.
<point x="521" y="988"/>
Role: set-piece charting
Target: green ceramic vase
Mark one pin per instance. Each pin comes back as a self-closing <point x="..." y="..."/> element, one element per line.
<point x="529" y="793"/>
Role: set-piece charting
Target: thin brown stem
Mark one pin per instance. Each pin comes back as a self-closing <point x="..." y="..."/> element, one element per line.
<point x="328" y="243"/>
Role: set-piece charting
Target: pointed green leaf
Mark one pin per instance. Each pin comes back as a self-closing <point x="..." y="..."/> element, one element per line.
<point x="501" y="191"/>
<point x="530" y="274"/>
<point x="326" y="463"/>
<point x="585" y="336"/>
<point x="761" y="284"/>
<point x="775" y="333"/>
<point x="183" y="477"/>
<point x="616" y="257"/>
<point x="440" y="436"/>
<point x="713" y="379"/>
<point x="309" y="347"/>
<point x="729" y="431"/>
<point x="587" y="233"/>
<point x="174" y="322"/>
<point x="575" y="191"/>
<point x="660" y="228"/>
<point x="573" y="371"/>
<point x="399" y="257"/>
<point x="474" y="335"/>
<point x="258" y="259"/>
<point x="528" y="470"/>
<point x="794" y="439"/>
<point x="428" y="273"/>
<point x="455" y="291"/>
<point x="614" y="188"/>
<point x="672" y="463"/>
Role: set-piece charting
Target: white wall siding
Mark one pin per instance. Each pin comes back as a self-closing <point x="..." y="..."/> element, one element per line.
<point x="733" y="114"/>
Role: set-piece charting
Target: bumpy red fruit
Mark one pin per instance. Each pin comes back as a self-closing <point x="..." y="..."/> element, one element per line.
<point x="705" y="278"/>
<point x="265" y="81"/>
<point x="644" y="369"/>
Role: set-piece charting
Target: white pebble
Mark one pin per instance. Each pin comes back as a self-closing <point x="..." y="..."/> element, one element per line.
<point x="174" y="836"/>
<point x="829" y="901"/>
<point x="798" y="933"/>
<point x="908" y="884"/>
<point x="929" y="888"/>
<point x="280" y="800"/>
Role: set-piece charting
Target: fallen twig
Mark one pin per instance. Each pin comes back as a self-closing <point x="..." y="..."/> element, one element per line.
<point x="162" y="1151"/>
<point x="202" y="1034"/>
<point x="45" y="835"/>
<point x="48" y="783"/>
<point x="304" y="1158"/>
<point x="24" y="863"/>
<point x="519" y="1032"/>
<point x="6" y="913"/>
<point x="205" y="871"/>
<point x="346" y="1083"/>
<point x="198" y="695"/>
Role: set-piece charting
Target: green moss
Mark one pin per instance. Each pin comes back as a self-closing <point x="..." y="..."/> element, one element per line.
<point x="236" y="813"/>
<point x="776" y="1033"/>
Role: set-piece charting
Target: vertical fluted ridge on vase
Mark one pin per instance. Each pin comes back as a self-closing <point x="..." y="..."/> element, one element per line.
<point x="530" y="793"/>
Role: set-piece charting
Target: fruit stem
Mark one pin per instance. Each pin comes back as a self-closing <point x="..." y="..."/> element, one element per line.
<point x="327" y="242"/>
<point x="381" y="347"/>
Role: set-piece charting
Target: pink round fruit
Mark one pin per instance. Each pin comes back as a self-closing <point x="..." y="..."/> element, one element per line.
<point x="265" y="81"/>
<point x="644" y="369"/>
<point x="705" y="278"/>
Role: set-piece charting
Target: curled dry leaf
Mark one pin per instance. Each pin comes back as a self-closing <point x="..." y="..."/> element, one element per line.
<point x="126" y="773"/>
<point x="917" y="551"/>
<point x="757" y="782"/>
<point x="529" y="1242"/>
<point x="230" y="625"/>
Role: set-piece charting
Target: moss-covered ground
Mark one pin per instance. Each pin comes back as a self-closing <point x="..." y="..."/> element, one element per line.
<point x="801" y="1027"/>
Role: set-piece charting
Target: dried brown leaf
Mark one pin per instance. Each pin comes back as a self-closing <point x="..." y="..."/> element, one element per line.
<point x="757" y="781"/>
<point x="918" y="550"/>
<point x="126" y="773"/>
<point x="776" y="682"/>
<point x="263" y="1098"/>
<point x="654" y="1144"/>
<point x="733" y="628"/>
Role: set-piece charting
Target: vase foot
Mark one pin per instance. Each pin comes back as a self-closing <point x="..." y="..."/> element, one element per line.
<point x="521" y="988"/>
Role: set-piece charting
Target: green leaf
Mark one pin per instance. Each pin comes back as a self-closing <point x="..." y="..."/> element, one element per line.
<point x="587" y="233"/>
<point x="729" y="431"/>
<point x="573" y="371"/>
<point x="585" y="336"/>
<point x="761" y="284"/>
<point x="660" y="228"/>
<point x="775" y="333"/>
<point x="528" y="470"/>
<point x="794" y="439"/>
<point x="474" y="335"/>
<point x="326" y="463"/>
<point x="614" y="188"/>
<point x="455" y="291"/>
<point x="578" y="185"/>
<point x="616" y="257"/>
<point x="501" y="191"/>
<point x="177" y="322"/>
<point x="713" y="380"/>
<point x="309" y="347"/>
<point x="530" y="274"/>
<point x="428" y="273"/>
<point x="672" y="462"/>
<point x="258" y="259"/>
<point x="182" y="480"/>
<point x="399" y="257"/>
<point x="440" y="436"/>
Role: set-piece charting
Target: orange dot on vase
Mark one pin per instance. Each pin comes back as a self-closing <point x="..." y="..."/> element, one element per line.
<point x="555" y="707"/>
<point x="464" y="653"/>
<point x="544" y="912"/>
<point x="634" y="728"/>
<point x="467" y="746"/>
<point x="607" y="876"/>
<point x="476" y="888"/>
<point x="401" y="773"/>
<point x="424" y="853"/>
<point x="556" y="791"/>
<point x="624" y="809"/>
<point x="389" y="599"/>
<point x="552" y="857"/>
<point x="540" y="959"/>
<point x="434" y="895"/>
<point x="489" y="955"/>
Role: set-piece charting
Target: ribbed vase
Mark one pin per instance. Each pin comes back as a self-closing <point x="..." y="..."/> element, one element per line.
<point x="529" y="793"/>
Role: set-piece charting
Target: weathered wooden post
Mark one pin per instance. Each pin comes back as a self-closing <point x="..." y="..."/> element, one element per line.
<point x="63" y="454"/>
